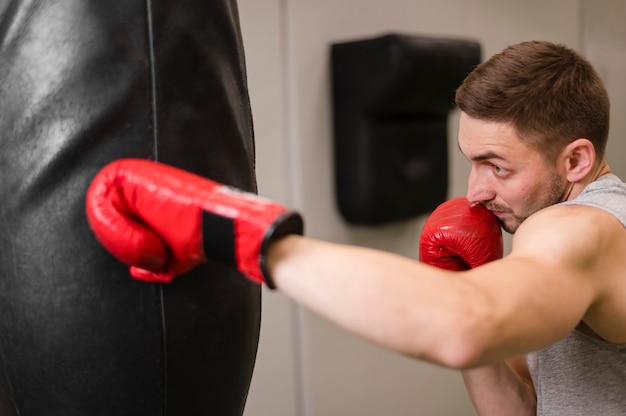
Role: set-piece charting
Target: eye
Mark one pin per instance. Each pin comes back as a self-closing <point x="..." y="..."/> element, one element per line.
<point x="499" y="170"/>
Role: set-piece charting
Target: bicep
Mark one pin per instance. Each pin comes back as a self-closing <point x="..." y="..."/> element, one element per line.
<point x="539" y="293"/>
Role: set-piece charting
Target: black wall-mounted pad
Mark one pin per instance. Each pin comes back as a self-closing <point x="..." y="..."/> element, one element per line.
<point x="391" y="99"/>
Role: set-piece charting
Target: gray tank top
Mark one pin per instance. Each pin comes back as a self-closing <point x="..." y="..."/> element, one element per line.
<point x="581" y="375"/>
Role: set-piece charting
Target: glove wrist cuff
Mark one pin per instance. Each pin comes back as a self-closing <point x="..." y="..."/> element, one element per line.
<point x="243" y="243"/>
<point x="288" y="223"/>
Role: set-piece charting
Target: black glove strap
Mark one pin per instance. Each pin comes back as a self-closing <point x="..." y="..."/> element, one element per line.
<point x="218" y="237"/>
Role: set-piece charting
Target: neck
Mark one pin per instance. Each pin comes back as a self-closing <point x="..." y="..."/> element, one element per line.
<point x="575" y="188"/>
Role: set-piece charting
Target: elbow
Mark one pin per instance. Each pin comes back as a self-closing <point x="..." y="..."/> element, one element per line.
<point x="467" y="342"/>
<point x="463" y="330"/>
<point x="460" y="355"/>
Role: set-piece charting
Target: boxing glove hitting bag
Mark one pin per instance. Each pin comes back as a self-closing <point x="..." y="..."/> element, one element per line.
<point x="84" y="83"/>
<point x="391" y="99"/>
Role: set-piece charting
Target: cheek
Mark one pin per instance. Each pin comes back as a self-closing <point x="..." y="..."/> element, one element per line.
<point x="520" y="196"/>
<point x="536" y="195"/>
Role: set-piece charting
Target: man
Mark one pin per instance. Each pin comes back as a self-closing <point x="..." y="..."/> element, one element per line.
<point x="534" y="126"/>
<point x="559" y="126"/>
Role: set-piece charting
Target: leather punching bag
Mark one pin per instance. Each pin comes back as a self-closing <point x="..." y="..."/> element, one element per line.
<point x="82" y="83"/>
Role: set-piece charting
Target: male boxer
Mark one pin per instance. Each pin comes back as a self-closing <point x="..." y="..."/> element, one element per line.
<point x="534" y="126"/>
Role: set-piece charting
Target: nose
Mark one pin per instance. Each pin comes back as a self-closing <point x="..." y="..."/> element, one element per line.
<point x="478" y="188"/>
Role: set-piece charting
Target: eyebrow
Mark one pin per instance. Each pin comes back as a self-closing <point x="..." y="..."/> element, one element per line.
<point x="483" y="156"/>
<point x="486" y="156"/>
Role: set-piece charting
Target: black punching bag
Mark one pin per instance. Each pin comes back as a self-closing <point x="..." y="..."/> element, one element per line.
<point x="82" y="83"/>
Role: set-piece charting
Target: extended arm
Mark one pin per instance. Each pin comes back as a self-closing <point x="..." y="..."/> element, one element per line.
<point x="530" y="299"/>
<point x="457" y="319"/>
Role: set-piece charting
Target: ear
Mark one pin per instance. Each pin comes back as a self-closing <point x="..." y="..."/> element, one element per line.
<point x="579" y="157"/>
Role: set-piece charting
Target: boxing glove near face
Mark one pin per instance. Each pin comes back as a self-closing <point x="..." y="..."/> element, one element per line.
<point x="457" y="236"/>
<point x="163" y="221"/>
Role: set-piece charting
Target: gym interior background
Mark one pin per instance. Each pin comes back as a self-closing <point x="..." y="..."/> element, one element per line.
<point x="305" y="366"/>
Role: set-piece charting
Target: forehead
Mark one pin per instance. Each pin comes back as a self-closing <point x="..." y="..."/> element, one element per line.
<point x="481" y="139"/>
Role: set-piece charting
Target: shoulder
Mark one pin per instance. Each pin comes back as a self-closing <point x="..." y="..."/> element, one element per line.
<point x="573" y="235"/>
<point x="585" y="247"/>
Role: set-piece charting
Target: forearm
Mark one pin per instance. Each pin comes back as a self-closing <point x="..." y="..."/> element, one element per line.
<point x="498" y="390"/>
<point x="393" y="301"/>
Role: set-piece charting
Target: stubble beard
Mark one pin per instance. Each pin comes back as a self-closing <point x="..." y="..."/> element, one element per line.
<point x="556" y="193"/>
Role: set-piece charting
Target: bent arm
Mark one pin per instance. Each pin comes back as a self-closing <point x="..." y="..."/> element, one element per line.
<point x="504" y="388"/>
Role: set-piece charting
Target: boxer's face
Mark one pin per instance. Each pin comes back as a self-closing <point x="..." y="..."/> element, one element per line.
<point x="509" y="177"/>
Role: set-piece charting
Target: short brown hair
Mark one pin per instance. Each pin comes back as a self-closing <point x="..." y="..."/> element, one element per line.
<point x="549" y="93"/>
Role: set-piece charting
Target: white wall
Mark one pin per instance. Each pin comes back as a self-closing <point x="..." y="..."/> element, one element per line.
<point x="603" y="34"/>
<point x="306" y="366"/>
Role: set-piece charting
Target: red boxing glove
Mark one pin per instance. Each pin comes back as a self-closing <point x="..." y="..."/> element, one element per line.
<point x="163" y="221"/>
<point x="458" y="236"/>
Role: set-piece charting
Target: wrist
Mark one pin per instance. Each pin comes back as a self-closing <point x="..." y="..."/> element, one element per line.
<point x="277" y="250"/>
